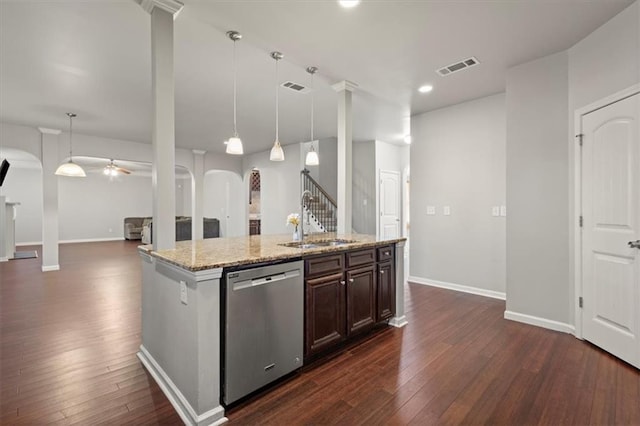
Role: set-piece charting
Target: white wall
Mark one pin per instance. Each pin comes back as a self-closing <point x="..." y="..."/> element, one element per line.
<point x="458" y="159"/>
<point x="220" y="188"/>
<point x="364" y="188"/>
<point x="328" y="154"/>
<point x="279" y="187"/>
<point x="95" y="207"/>
<point x="24" y="185"/>
<point x="537" y="194"/>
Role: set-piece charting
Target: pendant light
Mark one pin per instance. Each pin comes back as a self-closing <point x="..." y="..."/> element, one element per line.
<point x="277" y="153"/>
<point x="312" y="156"/>
<point x="234" y="144"/>
<point x="70" y="168"/>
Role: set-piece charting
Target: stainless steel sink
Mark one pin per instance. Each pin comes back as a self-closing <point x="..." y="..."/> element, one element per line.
<point x="318" y="243"/>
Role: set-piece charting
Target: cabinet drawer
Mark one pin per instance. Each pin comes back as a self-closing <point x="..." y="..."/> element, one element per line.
<point x="323" y="265"/>
<point x="385" y="253"/>
<point x="360" y="257"/>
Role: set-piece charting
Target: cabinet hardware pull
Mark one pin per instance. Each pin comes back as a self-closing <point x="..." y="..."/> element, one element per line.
<point x="386" y="253"/>
<point x="382" y="272"/>
<point x="342" y="282"/>
<point x="350" y="280"/>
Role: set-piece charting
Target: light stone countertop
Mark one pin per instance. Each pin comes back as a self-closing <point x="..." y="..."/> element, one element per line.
<point x="213" y="253"/>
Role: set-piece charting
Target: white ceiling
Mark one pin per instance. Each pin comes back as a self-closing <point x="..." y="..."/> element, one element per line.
<point x="92" y="57"/>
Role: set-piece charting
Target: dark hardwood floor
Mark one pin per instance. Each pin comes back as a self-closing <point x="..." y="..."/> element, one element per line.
<point x="69" y="339"/>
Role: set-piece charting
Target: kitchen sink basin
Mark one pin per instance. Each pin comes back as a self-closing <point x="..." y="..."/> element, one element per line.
<point x="317" y="243"/>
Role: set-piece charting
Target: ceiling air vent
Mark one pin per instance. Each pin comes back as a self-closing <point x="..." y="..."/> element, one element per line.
<point x="296" y="87"/>
<point x="458" y="66"/>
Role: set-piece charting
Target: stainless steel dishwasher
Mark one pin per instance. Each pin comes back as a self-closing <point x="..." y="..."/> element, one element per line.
<point x="263" y="327"/>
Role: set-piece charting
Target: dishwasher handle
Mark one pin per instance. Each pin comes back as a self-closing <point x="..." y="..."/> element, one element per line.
<point x="266" y="280"/>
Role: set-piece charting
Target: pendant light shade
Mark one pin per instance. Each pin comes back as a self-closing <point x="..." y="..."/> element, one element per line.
<point x="70" y="168"/>
<point x="234" y="144"/>
<point x="312" y="156"/>
<point x="277" y="153"/>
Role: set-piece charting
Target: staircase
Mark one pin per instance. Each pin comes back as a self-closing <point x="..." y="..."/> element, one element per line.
<point x="320" y="207"/>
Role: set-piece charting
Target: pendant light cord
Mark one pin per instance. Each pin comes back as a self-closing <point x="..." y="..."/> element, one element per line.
<point x="277" y="102"/>
<point x="312" y="102"/>
<point x="70" y="137"/>
<point x="235" y="77"/>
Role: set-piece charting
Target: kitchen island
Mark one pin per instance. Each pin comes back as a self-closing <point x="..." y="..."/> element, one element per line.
<point x="181" y="304"/>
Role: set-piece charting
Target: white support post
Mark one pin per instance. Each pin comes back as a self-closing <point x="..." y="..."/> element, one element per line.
<point x="50" y="163"/>
<point x="163" y="174"/>
<point x="345" y="166"/>
<point x="198" y="194"/>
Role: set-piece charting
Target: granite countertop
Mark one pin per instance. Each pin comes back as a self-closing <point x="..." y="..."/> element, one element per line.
<point x="213" y="253"/>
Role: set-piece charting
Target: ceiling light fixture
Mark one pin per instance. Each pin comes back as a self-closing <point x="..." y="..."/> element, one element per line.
<point x="425" y="89"/>
<point x="348" y="3"/>
<point x="70" y="168"/>
<point x="312" y="156"/>
<point x="234" y="144"/>
<point x="277" y="153"/>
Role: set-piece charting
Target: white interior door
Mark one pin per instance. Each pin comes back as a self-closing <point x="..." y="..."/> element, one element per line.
<point x="611" y="222"/>
<point x="389" y="204"/>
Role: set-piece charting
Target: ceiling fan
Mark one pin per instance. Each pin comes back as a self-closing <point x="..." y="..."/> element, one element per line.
<point x="112" y="170"/>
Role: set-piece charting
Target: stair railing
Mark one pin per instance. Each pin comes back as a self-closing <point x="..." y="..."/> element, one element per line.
<point x="322" y="205"/>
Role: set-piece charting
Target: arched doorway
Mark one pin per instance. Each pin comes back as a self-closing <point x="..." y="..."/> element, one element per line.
<point x="254" y="203"/>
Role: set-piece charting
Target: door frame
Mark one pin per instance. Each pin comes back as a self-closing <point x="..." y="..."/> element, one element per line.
<point x="576" y="242"/>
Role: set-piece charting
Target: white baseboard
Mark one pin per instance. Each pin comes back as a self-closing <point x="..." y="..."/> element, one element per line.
<point x="398" y="322"/>
<point x="459" y="287"/>
<point x="4" y="259"/>
<point x="176" y="398"/>
<point x="540" y="322"/>
<point x="50" y="268"/>
<point x="32" y="243"/>
<point x="91" y="240"/>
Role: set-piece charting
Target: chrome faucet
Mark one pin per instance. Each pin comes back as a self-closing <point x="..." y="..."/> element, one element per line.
<point x="305" y="194"/>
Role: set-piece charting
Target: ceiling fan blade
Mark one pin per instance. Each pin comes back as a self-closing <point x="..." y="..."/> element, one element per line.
<point x="122" y="170"/>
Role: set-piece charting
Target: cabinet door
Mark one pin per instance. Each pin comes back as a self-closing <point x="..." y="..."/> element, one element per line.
<point x="361" y="299"/>
<point x="325" y="316"/>
<point x="386" y="291"/>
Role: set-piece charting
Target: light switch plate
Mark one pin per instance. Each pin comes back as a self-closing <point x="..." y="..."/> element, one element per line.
<point x="495" y="211"/>
<point x="446" y="210"/>
<point x="431" y="210"/>
<point x="503" y="210"/>
<point x="183" y="292"/>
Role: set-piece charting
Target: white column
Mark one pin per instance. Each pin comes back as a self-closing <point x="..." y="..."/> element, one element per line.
<point x="197" y="229"/>
<point x="345" y="166"/>
<point x="163" y="174"/>
<point x="50" y="163"/>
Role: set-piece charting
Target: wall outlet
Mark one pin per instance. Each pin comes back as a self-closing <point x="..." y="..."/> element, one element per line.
<point x="364" y="202"/>
<point x="431" y="210"/>
<point x="503" y="210"/>
<point x="495" y="211"/>
<point x="183" y="292"/>
<point x="446" y="210"/>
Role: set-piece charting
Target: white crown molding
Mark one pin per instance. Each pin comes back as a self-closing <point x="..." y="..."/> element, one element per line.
<point x="172" y="6"/>
<point x="345" y="85"/>
<point x="46" y="131"/>
<point x="199" y="151"/>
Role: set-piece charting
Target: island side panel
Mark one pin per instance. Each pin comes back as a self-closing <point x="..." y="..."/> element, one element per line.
<point x="182" y="341"/>
<point x="399" y="320"/>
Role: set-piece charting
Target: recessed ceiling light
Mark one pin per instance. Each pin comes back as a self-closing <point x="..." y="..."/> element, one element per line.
<point x="348" y="3"/>
<point x="425" y="89"/>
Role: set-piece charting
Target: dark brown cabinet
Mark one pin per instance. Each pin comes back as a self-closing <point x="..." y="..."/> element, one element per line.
<point x="325" y="312"/>
<point x="347" y="293"/>
<point x="361" y="299"/>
